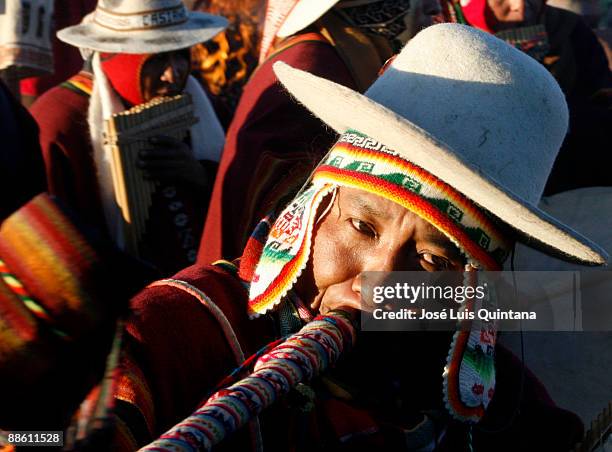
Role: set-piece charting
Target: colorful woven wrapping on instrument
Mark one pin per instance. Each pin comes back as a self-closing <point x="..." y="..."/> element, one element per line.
<point x="312" y="350"/>
<point x="358" y="161"/>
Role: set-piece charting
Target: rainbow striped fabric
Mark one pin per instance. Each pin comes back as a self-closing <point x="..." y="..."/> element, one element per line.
<point x="360" y="162"/>
<point x="46" y="263"/>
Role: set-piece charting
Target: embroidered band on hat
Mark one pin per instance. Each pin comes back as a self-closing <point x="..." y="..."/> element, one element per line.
<point x="143" y="20"/>
<point x="361" y="162"/>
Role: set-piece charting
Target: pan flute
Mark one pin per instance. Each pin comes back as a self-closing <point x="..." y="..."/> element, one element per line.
<point x="127" y="133"/>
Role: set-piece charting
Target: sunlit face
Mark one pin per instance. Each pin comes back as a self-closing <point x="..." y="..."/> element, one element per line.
<point x="365" y="232"/>
<point x="165" y="74"/>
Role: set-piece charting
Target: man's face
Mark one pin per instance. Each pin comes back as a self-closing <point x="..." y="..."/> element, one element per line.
<point x="365" y="232"/>
<point x="514" y="13"/>
<point x="165" y="74"/>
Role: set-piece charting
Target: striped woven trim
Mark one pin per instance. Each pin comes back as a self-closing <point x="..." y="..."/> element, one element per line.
<point x="11" y="281"/>
<point x="134" y="389"/>
<point x="17" y="324"/>
<point x="81" y="83"/>
<point x="360" y="162"/>
<point x="50" y="255"/>
<point x="286" y="251"/>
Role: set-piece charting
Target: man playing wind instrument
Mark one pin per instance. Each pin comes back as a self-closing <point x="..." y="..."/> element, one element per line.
<point x="138" y="50"/>
<point x="439" y="166"/>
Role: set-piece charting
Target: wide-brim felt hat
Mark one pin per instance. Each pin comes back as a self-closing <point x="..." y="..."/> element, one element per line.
<point x="473" y="111"/>
<point x="142" y="26"/>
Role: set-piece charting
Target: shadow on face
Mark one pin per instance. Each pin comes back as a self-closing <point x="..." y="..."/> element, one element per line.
<point x="165" y="74"/>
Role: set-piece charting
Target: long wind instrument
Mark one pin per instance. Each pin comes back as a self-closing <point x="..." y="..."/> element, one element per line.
<point x="127" y="133"/>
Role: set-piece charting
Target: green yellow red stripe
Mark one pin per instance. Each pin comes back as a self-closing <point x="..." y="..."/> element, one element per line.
<point x="402" y="165"/>
<point x="412" y="202"/>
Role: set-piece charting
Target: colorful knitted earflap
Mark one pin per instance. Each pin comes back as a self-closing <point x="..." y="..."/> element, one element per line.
<point x="286" y="250"/>
<point x="469" y="375"/>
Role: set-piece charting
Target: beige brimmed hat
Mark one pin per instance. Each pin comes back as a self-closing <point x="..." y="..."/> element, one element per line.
<point x="142" y="26"/>
<point x="474" y="112"/>
<point x="304" y="13"/>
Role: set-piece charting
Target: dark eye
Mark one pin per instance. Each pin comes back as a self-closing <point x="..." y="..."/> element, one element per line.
<point x="363" y="227"/>
<point x="435" y="262"/>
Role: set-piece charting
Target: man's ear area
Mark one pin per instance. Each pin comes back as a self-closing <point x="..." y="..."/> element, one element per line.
<point x="325" y="207"/>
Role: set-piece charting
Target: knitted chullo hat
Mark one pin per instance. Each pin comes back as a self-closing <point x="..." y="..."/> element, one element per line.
<point x="124" y="72"/>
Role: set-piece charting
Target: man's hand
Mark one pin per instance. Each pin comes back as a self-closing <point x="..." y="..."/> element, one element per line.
<point x="171" y="160"/>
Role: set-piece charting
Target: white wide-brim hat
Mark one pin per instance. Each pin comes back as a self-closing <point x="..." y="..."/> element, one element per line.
<point x="477" y="113"/>
<point x="142" y="26"/>
<point x="304" y="13"/>
<point x="588" y="210"/>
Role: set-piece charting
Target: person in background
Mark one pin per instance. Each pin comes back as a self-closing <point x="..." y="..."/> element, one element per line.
<point x="343" y="41"/>
<point x="562" y="42"/>
<point x="67" y="60"/>
<point x="58" y="312"/>
<point x="135" y="56"/>
<point x="22" y="171"/>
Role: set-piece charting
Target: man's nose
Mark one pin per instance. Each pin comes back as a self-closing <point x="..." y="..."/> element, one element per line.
<point x="518" y="8"/>
<point x="170" y="74"/>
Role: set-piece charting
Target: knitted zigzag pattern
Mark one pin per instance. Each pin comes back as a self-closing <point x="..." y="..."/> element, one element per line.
<point x="469" y="374"/>
<point x="360" y="162"/>
<point x="286" y="251"/>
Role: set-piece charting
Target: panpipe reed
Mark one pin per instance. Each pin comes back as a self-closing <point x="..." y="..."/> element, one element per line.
<point x="127" y="134"/>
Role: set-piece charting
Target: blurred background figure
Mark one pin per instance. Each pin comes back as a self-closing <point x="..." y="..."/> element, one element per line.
<point x="597" y="15"/>
<point x="224" y="64"/>
<point x="67" y="60"/>
<point x="564" y="43"/>
<point x="25" y="40"/>
<point x="58" y="313"/>
<point x="139" y="64"/>
<point x="344" y="41"/>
